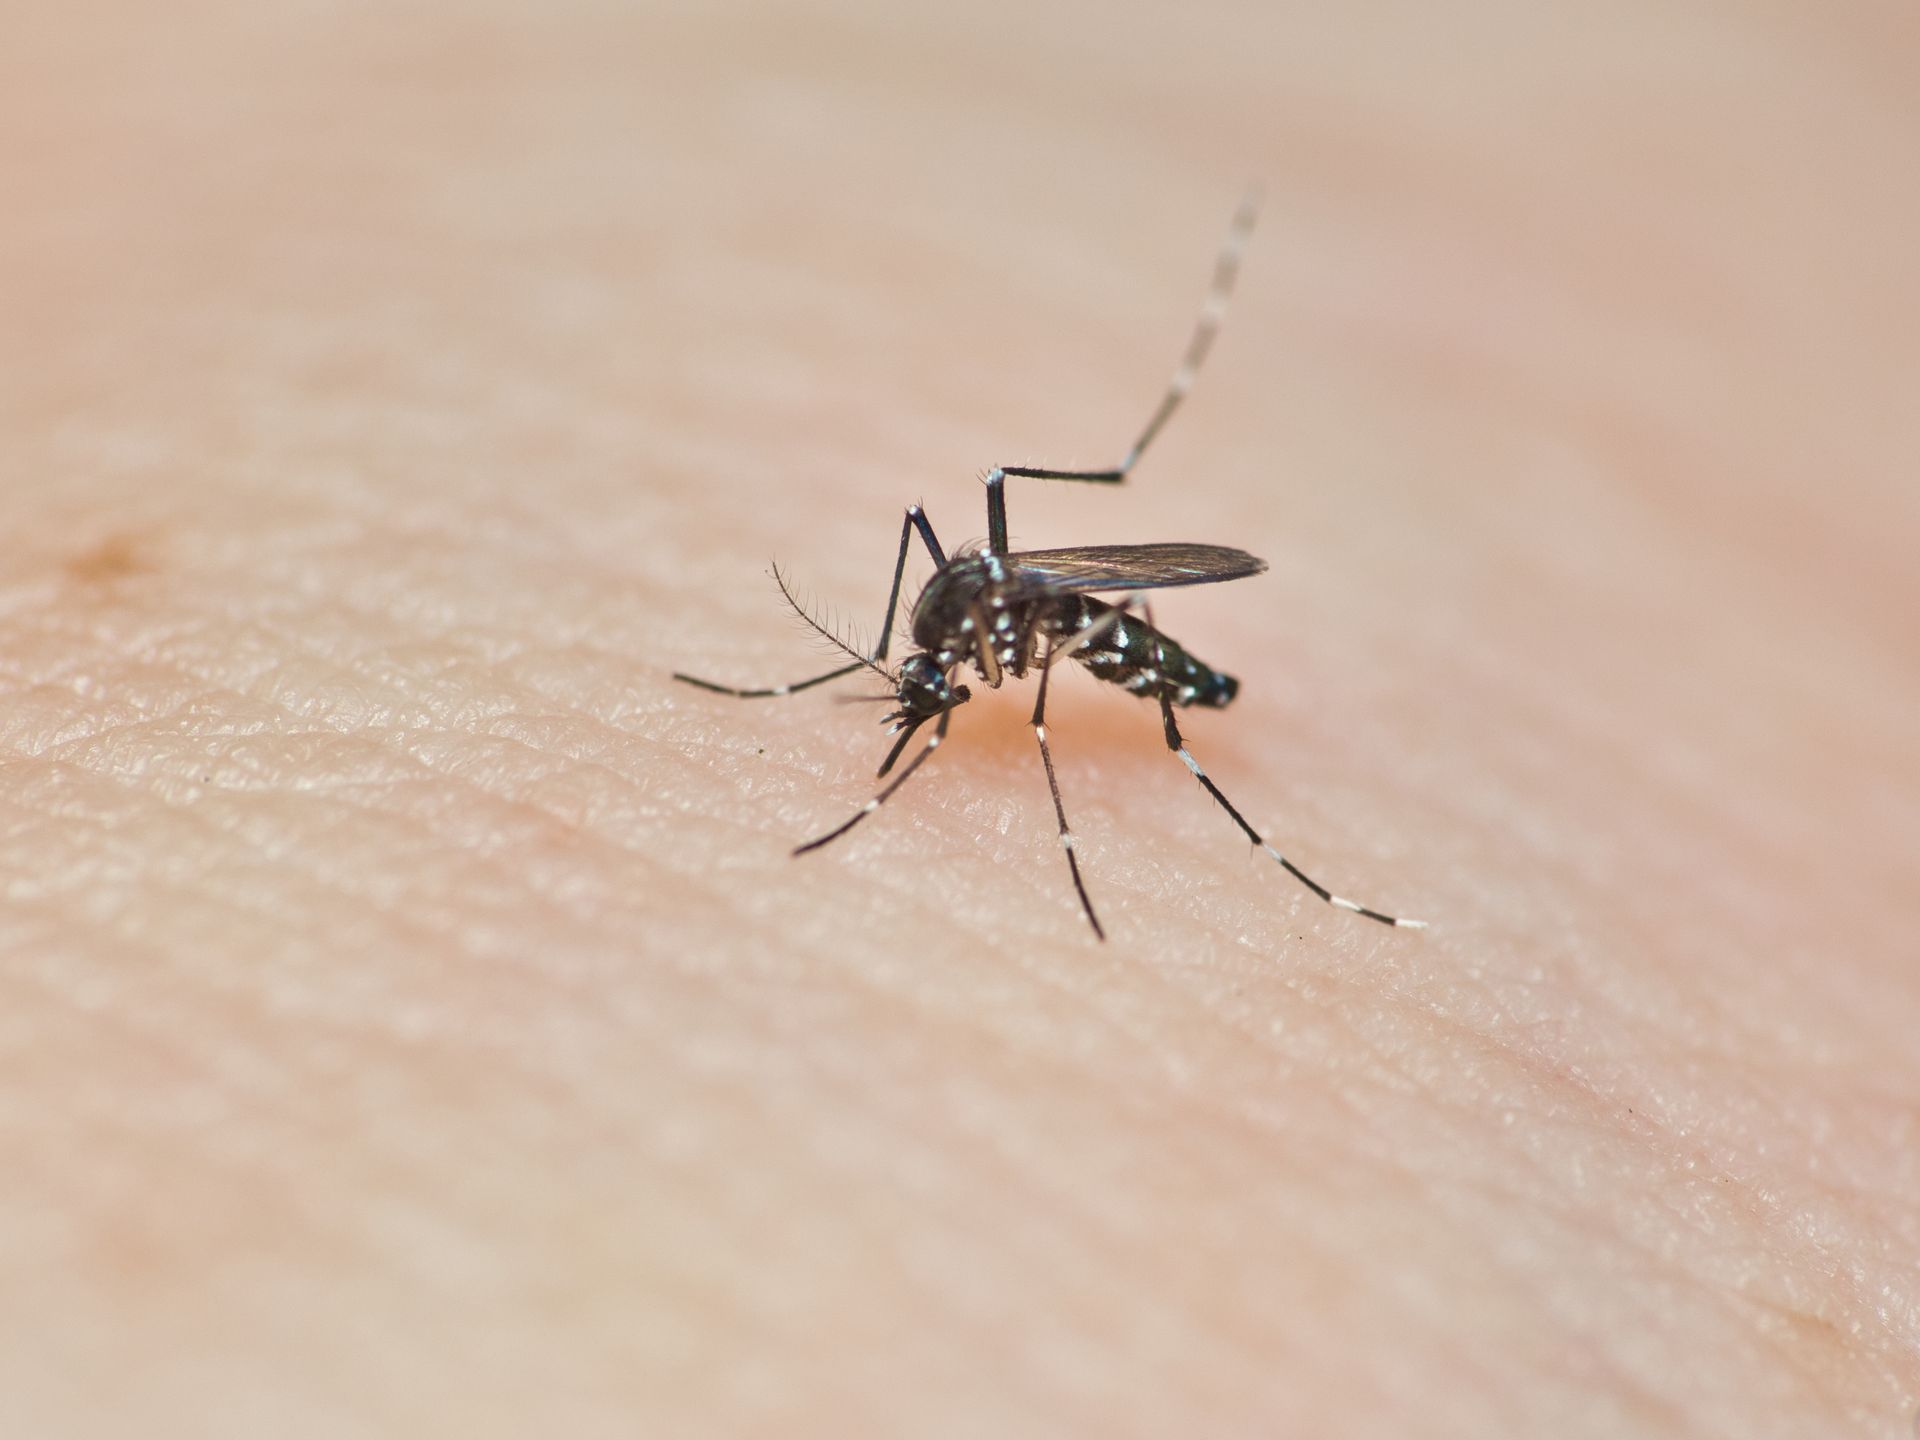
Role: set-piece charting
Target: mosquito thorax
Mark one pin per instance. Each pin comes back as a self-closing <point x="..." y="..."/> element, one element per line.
<point x="944" y="615"/>
<point x="963" y="617"/>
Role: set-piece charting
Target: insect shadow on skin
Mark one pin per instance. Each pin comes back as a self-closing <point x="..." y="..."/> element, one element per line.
<point x="1005" y="612"/>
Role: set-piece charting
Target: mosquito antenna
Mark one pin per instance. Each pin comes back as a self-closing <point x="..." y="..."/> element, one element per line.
<point x="825" y="632"/>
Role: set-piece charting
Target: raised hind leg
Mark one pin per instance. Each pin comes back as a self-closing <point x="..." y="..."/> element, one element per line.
<point x="1225" y="269"/>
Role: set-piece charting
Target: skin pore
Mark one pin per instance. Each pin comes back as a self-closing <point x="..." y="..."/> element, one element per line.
<point x="414" y="1021"/>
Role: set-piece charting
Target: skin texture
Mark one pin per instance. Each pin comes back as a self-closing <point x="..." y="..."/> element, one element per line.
<point x="413" y="1023"/>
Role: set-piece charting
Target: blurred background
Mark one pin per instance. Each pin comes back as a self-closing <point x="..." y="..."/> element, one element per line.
<point x="1569" y="390"/>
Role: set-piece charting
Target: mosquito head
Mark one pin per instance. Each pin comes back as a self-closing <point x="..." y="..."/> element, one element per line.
<point x="924" y="691"/>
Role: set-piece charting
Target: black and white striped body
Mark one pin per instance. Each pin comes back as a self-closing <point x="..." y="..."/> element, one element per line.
<point x="973" y="613"/>
<point x="1130" y="653"/>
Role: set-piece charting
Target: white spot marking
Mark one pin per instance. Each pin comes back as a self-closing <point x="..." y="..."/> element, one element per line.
<point x="1199" y="774"/>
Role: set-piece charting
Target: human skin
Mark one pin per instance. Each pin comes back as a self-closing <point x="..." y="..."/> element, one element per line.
<point x="414" y="1023"/>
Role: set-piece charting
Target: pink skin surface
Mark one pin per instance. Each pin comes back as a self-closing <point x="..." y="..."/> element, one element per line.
<point x="413" y="1022"/>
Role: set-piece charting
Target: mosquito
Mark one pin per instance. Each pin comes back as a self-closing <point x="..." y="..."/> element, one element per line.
<point x="1005" y="612"/>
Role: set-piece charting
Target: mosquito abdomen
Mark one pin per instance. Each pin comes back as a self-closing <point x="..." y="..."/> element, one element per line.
<point x="1128" y="652"/>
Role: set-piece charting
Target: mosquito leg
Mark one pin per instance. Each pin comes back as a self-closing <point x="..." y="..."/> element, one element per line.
<point x="906" y="735"/>
<point x="1179" y="747"/>
<point x="916" y="519"/>
<point x="933" y="744"/>
<point x="1053" y="785"/>
<point x="1226" y="269"/>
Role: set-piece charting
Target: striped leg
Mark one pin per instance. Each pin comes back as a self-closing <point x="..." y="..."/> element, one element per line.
<point x="933" y="744"/>
<point x="1179" y="747"/>
<point x="1225" y="269"/>
<point x="1053" y="785"/>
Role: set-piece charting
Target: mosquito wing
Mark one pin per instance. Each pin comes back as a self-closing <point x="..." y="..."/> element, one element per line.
<point x="1129" y="567"/>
